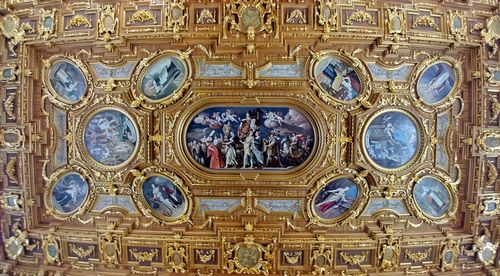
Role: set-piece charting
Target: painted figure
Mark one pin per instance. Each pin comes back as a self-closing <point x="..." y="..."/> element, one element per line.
<point x="69" y="193"/>
<point x="163" y="196"/>
<point x="163" y="78"/>
<point x="67" y="80"/>
<point x="250" y="138"/>
<point x="431" y="196"/>
<point x="336" y="198"/>
<point x="436" y="83"/>
<point x="337" y="79"/>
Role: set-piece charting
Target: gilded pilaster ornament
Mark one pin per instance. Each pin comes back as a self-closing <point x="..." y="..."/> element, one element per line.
<point x="321" y="260"/>
<point x="457" y="25"/>
<point x="51" y="249"/>
<point x="107" y="23"/>
<point x="177" y="258"/>
<point x="326" y="14"/>
<point x="248" y="257"/>
<point x="389" y="254"/>
<point x="176" y="16"/>
<point x="16" y="245"/>
<point x="47" y="23"/>
<point x="449" y="254"/>
<point x="251" y="18"/>
<point x="491" y="34"/>
<point x="110" y="248"/>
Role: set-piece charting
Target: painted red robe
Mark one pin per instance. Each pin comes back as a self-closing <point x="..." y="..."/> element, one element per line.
<point x="216" y="161"/>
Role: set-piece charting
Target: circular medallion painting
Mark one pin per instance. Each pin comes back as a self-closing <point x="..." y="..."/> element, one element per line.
<point x="164" y="197"/>
<point x="248" y="256"/>
<point x="110" y="137"/>
<point x="432" y="197"/>
<point x="336" y="198"/>
<point x="163" y="78"/>
<point x="337" y="79"/>
<point x="436" y="83"/>
<point x="391" y="139"/>
<point x="69" y="193"/>
<point x="67" y="80"/>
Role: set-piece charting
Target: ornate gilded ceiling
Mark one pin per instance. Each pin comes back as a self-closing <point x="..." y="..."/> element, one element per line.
<point x="255" y="137"/>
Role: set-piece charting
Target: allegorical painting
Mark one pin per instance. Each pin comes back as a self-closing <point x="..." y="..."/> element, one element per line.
<point x="164" y="77"/>
<point x="69" y="193"/>
<point x="110" y="137"/>
<point x="391" y="139"/>
<point x="336" y="198"/>
<point x="337" y="78"/>
<point x="436" y="83"/>
<point x="432" y="197"/>
<point x="163" y="196"/>
<point x="67" y="80"/>
<point x="234" y="138"/>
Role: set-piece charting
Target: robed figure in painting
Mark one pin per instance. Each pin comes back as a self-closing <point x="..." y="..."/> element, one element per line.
<point x="216" y="161"/>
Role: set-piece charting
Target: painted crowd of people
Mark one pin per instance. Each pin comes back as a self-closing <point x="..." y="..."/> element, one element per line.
<point x="259" y="140"/>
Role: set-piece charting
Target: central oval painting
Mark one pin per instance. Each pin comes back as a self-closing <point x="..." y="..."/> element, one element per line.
<point x="391" y="139"/>
<point x="69" y="193"/>
<point x="110" y="137"/>
<point x="246" y="138"/>
<point x="432" y="197"/>
<point x="163" y="196"/>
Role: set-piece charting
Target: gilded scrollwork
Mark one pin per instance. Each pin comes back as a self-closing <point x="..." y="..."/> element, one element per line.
<point x="51" y="249"/>
<point x="360" y="16"/>
<point x="248" y="257"/>
<point x="177" y="258"/>
<point x="321" y="260"/>
<point x="491" y="34"/>
<point x="11" y="201"/>
<point x="110" y="248"/>
<point x="107" y="23"/>
<point x="457" y="25"/>
<point x="449" y="254"/>
<point x="251" y="18"/>
<point x="488" y="141"/>
<point x="143" y="256"/>
<point x="19" y="242"/>
<point x="78" y="20"/>
<point x="354" y="259"/>
<point x="12" y="138"/>
<point x="47" y="23"/>
<point x="389" y="254"/>
<point x="176" y="16"/>
<point x="426" y="21"/>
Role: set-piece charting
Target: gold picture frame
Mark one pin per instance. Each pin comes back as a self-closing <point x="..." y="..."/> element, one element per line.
<point x="81" y="143"/>
<point x="52" y="94"/>
<point x="240" y="102"/>
<point x="54" y="179"/>
<point x="351" y="61"/>
<point x="138" y="183"/>
<point x="447" y="183"/>
<point x="420" y="69"/>
<point x="348" y="215"/>
<point x="146" y="64"/>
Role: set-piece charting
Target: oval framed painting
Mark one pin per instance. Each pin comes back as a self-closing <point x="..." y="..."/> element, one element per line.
<point x="164" y="195"/>
<point x="432" y="197"/>
<point x="68" y="80"/>
<point x="163" y="77"/>
<point x="436" y="83"/>
<point x="110" y="137"/>
<point x="391" y="139"/>
<point x="250" y="138"/>
<point x="337" y="197"/>
<point x="69" y="193"/>
<point x="337" y="78"/>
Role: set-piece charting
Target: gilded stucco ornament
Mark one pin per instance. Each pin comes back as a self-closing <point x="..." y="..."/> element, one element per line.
<point x="450" y="251"/>
<point x="176" y="16"/>
<point x="110" y="248"/>
<point x="457" y="25"/>
<point x="250" y="18"/>
<point x="107" y="23"/>
<point x="248" y="257"/>
<point x="16" y="245"/>
<point x="491" y="34"/>
<point x="321" y="259"/>
<point x="340" y="78"/>
<point x="14" y="31"/>
<point x="326" y="14"/>
<point x="489" y="141"/>
<point x="51" y="249"/>
<point x="11" y="201"/>
<point x="177" y="258"/>
<point x="389" y="254"/>
<point x="161" y="79"/>
<point x="486" y="250"/>
<point x="12" y="138"/>
<point x="47" y="23"/>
